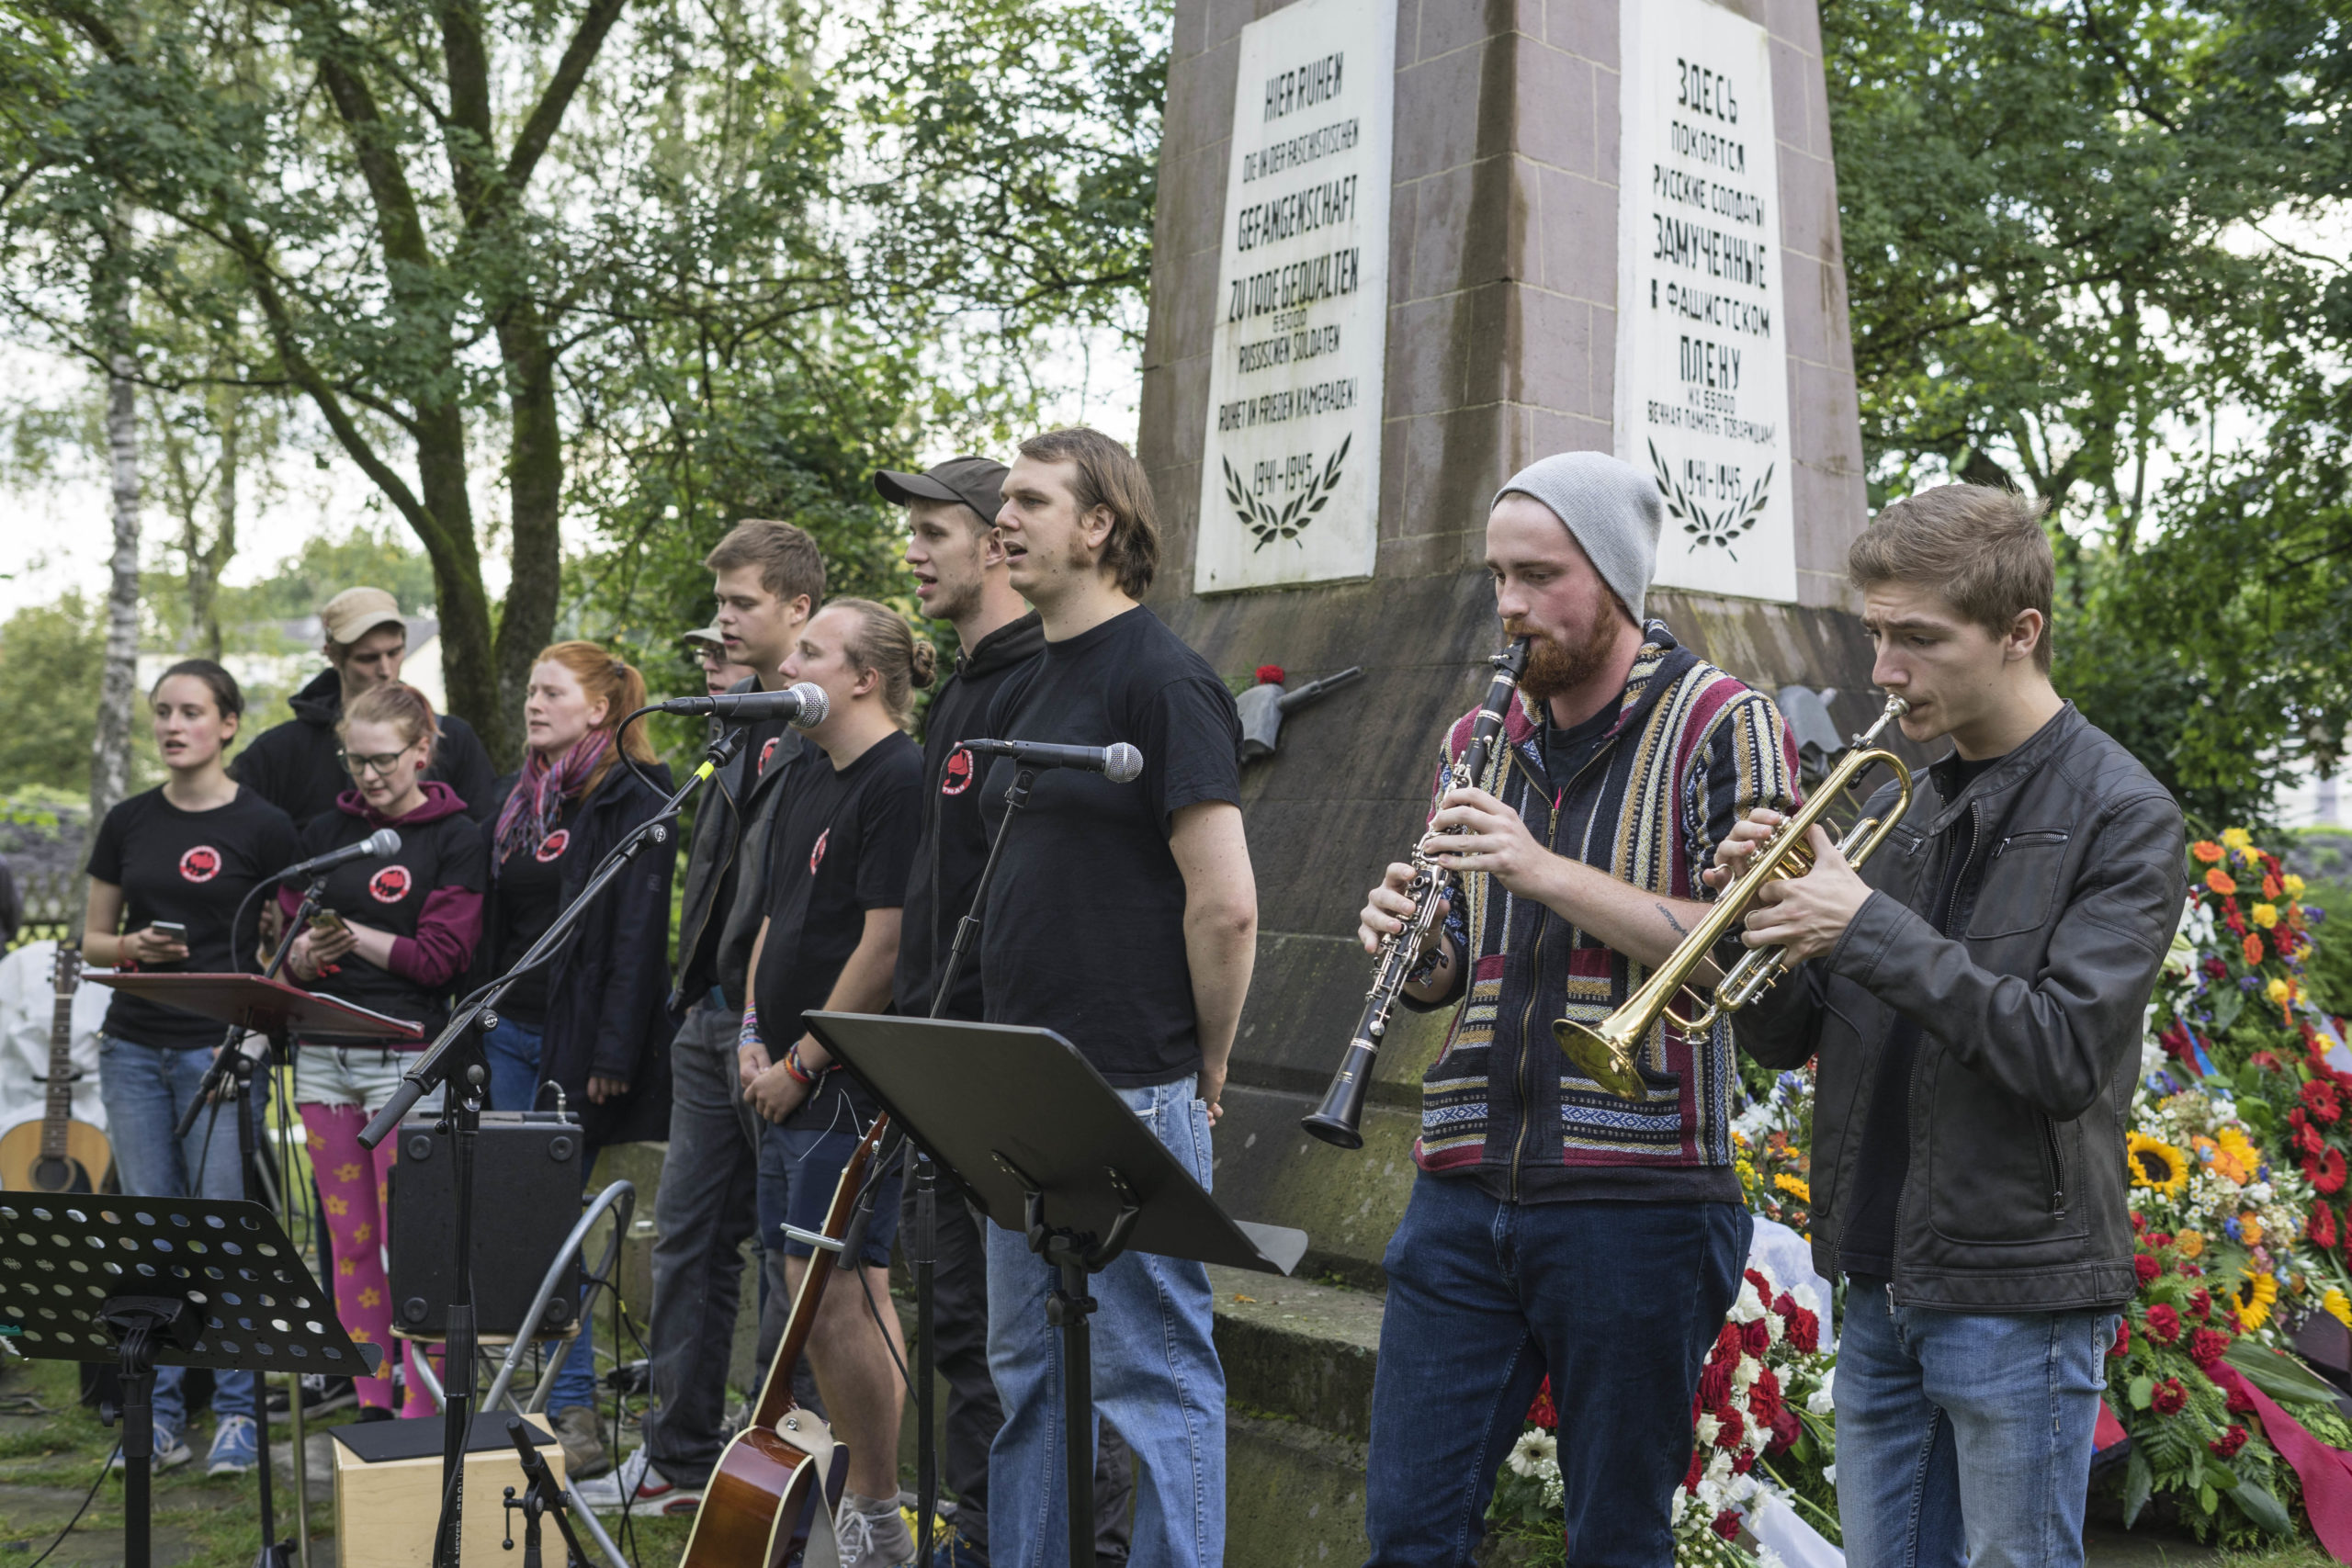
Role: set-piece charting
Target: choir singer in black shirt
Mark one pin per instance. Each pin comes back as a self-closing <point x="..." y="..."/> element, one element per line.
<point x="1124" y="917"/>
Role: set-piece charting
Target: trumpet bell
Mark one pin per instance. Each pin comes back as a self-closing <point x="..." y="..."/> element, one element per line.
<point x="1605" y="1061"/>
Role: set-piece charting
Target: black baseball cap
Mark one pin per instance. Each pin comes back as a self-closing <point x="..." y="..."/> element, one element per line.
<point x="975" y="482"/>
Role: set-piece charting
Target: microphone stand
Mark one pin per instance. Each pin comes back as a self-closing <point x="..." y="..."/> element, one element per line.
<point x="462" y="1123"/>
<point x="922" y="1241"/>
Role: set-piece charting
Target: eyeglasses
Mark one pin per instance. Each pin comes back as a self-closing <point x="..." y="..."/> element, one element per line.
<point x="381" y="764"/>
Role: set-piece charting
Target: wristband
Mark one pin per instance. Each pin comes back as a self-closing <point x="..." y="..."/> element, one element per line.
<point x="801" y="1074"/>
<point x="749" y="1032"/>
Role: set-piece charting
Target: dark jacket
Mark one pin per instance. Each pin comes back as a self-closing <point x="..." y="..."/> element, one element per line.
<point x="606" y="1011"/>
<point x="2030" y="1023"/>
<point x="718" y="919"/>
<point x="954" y="844"/>
<point x="293" y="765"/>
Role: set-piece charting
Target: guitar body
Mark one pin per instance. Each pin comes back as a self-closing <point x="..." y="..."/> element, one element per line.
<point x="55" y="1153"/>
<point x="761" y="1504"/>
<point x="783" y="1471"/>
<point x="83" y="1166"/>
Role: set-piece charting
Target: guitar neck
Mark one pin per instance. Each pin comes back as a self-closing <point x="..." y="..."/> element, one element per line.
<point x="59" y="1108"/>
<point x="776" y="1394"/>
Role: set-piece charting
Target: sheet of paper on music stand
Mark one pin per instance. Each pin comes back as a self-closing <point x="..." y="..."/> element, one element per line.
<point x="249" y="1002"/>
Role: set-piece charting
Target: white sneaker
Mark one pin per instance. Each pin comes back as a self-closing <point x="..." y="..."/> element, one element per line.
<point x="873" y="1541"/>
<point x="636" y="1485"/>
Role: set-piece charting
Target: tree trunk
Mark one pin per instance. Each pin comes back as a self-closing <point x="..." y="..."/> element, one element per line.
<point x="110" y="752"/>
<point x="535" y="488"/>
<point x="206" y="564"/>
<point x="468" y="669"/>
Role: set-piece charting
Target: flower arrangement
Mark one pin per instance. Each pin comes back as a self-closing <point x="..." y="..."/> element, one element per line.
<point x="2198" y="1178"/>
<point x="1773" y="1140"/>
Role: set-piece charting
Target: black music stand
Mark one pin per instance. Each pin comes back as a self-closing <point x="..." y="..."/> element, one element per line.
<point x="1046" y="1147"/>
<point x="145" y="1283"/>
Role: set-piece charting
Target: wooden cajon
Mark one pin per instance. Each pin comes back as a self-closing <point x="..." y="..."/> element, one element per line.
<point x="384" y="1512"/>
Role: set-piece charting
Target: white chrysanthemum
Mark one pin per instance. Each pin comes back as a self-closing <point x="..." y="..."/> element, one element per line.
<point x="1776" y="1327"/>
<point x="1829" y="1474"/>
<point x="1707" y="1431"/>
<point x="1768" y="1558"/>
<point x="1823" y="1402"/>
<point x="1534" y="1454"/>
<point x="1750" y="1306"/>
<point x="1744" y="1376"/>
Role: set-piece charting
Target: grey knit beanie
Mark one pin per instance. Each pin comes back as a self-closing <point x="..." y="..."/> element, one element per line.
<point x="1611" y="508"/>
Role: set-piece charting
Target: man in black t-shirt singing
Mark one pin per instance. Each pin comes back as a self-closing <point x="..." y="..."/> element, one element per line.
<point x="1124" y="917"/>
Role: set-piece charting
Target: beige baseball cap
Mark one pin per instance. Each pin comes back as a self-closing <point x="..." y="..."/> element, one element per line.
<point x="710" y="637"/>
<point x="354" y="613"/>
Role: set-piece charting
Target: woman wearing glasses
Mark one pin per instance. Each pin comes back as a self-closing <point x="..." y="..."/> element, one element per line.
<point x="393" y="934"/>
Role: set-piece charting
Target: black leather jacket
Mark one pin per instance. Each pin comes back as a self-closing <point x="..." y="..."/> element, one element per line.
<point x="2029" y="1024"/>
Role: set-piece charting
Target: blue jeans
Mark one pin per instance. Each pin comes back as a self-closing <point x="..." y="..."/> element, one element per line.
<point x="1156" y="1376"/>
<point x="146" y="1089"/>
<point x="1964" y="1437"/>
<point x="1618" y="1301"/>
<point x="513" y="1050"/>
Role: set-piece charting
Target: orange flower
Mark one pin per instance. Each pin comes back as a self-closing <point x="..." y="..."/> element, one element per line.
<point x="2207" y="851"/>
<point x="2219" y="881"/>
<point x="2270" y="888"/>
<point x="2252" y="948"/>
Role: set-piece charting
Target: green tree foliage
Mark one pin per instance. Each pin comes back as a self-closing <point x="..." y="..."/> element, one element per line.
<point x="2071" y="239"/>
<point x="50" y="658"/>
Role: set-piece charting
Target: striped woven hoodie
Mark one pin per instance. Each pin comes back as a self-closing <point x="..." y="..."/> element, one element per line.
<point x="1692" y="751"/>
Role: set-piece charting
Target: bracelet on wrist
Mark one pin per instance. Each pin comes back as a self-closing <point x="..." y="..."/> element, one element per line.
<point x="748" y="1032"/>
<point x="801" y="1074"/>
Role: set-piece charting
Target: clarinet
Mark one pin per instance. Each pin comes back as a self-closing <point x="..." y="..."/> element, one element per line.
<point x="1337" y="1119"/>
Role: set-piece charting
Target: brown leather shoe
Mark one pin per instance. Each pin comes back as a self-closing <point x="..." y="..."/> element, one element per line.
<point x="583" y="1446"/>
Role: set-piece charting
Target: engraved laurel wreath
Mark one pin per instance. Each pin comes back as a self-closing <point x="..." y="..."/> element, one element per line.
<point x="1712" y="527"/>
<point x="1266" y="523"/>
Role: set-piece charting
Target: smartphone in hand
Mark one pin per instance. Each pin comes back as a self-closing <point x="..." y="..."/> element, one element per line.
<point x="170" y="931"/>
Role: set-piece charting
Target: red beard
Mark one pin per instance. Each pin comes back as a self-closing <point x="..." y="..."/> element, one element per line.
<point x="1552" y="668"/>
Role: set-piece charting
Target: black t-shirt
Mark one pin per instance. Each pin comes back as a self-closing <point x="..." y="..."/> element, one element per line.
<point x="530" y="891"/>
<point x="842" y="843"/>
<point x="441" y="865"/>
<point x="1867" y="1244"/>
<point x="1565" y="752"/>
<point x="194" y="867"/>
<point x="1084" y="930"/>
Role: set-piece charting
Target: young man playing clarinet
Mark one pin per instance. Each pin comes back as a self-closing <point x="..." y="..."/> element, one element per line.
<point x="1554" y="1227"/>
<point x="1123" y="916"/>
<point x="1974" y="995"/>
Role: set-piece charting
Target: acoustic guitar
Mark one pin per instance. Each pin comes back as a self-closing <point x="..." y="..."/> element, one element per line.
<point x="58" y="1154"/>
<point x="761" y="1504"/>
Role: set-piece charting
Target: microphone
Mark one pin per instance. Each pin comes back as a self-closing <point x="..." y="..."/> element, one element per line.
<point x="1119" y="762"/>
<point x="802" y="705"/>
<point x="383" y="841"/>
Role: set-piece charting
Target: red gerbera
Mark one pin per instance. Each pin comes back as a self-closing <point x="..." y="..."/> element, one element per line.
<point x="2320" y="1099"/>
<point x="2328" y="1171"/>
<point x="2321" y="1226"/>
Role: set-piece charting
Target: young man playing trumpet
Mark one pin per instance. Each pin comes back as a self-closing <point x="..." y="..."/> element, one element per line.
<point x="1974" y="995"/>
<point x="1555" y="1227"/>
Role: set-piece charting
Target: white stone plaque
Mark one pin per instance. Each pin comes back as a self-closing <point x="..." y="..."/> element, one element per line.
<point x="1702" y="373"/>
<point x="1290" y="473"/>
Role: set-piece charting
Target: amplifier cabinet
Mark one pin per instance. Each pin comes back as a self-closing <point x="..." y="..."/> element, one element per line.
<point x="527" y="1199"/>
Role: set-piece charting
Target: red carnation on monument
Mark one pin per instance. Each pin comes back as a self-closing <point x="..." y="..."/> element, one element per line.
<point x="2201" y="1304"/>
<point x="2163" y="1323"/>
<point x="1270" y="676"/>
<point x="2169" y="1397"/>
<point x="2239" y="1401"/>
<point x="1733" y="1426"/>
<point x="1697" y="1468"/>
<point x="1803" y="1331"/>
<point x="2206" y="1347"/>
<point x="2122" y="1345"/>
<point x="2229" y="1442"/>
<point x="1727" y="1342"/>
<point x="2216" y="969"/>
<point x="1714" y="1385"/>
<point x="2145" y="1268"/>
<point x="1543" y="1412"/>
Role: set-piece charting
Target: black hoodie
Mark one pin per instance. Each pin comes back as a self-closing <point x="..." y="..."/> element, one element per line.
<point x="954" y="844"/>
<point x="293" y="765"/>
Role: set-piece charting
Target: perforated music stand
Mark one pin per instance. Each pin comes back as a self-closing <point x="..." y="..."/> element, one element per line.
<point x="145" y="1283"/>
<point x="1048" y="1149"/>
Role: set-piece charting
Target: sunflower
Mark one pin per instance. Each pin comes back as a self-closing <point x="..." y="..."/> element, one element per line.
<point x="1794" y="1186"/>
<point x="2254" y="1295"/>
<point x="2207" y="851"/>
<point x="2155" y="1164"/>
<point x="2235" y="1157"/>
<point x="2336" y="1307"/>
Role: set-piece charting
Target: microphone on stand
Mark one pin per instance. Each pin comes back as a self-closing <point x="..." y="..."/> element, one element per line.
<point x="1119" y="762"/>
<point x="383" y="841"/>
<point x="802" y="705"/>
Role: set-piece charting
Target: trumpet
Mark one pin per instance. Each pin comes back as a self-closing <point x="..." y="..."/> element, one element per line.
<point x="1336" y="1120"/>
<point x="1606" y="1052"/>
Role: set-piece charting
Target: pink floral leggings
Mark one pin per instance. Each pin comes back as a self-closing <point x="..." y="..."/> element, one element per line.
<point x="351" y="1185"/>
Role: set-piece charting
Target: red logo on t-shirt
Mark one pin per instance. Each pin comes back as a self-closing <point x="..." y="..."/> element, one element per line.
<point x="817" y="855"/>
<point x="768" y="750"/>
<point x="553" y="846"/>
<point x="201" y="864"/>
<point x="388" y="885"/>
<point x="956" y="777"/>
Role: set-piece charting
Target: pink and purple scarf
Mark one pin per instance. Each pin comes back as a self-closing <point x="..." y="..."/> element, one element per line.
<point x="535" y="804"/>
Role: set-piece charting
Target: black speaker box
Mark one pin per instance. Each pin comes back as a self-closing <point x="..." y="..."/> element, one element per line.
<point x="527" y="1199"/>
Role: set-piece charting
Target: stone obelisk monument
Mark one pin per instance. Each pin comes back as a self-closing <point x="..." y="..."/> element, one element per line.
<point x="1403" y="248"/>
